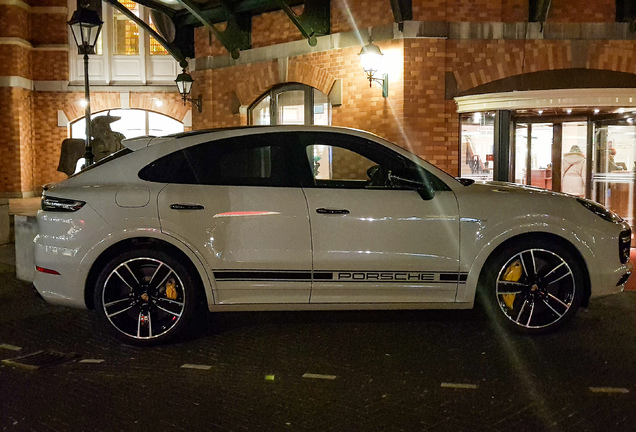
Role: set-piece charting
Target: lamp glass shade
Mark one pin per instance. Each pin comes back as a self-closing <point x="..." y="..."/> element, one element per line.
<point x="85" y="26"/>
<point x="184" y="83"/>
<point x="370" y="57"/>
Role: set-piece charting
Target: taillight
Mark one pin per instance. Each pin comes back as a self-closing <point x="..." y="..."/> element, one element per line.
<point x="54" y="204"/>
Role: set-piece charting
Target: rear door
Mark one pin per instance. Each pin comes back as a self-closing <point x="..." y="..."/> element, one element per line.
<point x="239" y="207"/>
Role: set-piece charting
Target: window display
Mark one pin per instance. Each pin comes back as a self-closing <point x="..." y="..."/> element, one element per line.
<point x="477" y="145"/>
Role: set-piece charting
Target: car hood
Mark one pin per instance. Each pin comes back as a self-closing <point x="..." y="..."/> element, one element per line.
<point x="494" y="199"/>
<point x="515" y="188"/>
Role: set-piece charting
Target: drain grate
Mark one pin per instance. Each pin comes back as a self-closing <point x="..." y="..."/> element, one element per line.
<point x="40" y="360"/>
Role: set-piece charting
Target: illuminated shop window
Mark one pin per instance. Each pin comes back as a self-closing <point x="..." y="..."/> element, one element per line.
<point x="477" y="145"/>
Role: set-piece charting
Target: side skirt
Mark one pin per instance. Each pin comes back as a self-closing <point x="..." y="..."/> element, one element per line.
<point x="336" y="306"/>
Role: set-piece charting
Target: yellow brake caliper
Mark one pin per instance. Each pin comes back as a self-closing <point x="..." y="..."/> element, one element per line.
<point x="171" y="290"/>
<point x="513" y="274"/>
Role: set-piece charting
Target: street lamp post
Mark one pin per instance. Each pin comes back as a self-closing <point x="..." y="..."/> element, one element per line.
<point x="86" y="26"/>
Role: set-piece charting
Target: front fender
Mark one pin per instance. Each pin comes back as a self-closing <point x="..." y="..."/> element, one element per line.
<point x="474" y="258"/>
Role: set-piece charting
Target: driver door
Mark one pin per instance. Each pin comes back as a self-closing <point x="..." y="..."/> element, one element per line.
<point x="373" y="241"/>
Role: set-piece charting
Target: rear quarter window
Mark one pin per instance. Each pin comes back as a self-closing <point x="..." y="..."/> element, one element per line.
<point x="240" y="161"/>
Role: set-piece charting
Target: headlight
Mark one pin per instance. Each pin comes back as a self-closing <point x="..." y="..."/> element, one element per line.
<point x="624" y="245"/>
<point x="600" y="210"/>
<point x="61" y="204"/>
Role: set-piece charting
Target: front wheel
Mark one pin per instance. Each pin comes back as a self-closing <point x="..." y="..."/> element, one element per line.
<point x="146" y="296"/>
<point x="532" y="287"/>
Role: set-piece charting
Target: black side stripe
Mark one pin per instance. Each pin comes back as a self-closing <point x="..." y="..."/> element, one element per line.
<point x="261" y="275"/>
<point x="340" y="276"/>
<point x="453" y="277"/>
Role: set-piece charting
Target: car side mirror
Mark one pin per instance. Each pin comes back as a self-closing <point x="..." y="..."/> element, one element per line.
<point x="426" y="191"/>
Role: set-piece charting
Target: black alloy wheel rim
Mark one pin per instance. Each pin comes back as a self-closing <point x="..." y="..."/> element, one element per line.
<point x="143" y="298"/>
<point x="535" y="288"/>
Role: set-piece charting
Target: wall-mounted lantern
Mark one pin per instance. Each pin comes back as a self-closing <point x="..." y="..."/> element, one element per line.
<point x="371" y="58"/>
<point x="184" y="84"/>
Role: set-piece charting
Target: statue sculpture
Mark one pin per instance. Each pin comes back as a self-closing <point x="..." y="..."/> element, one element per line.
<point x="105" y="142"/>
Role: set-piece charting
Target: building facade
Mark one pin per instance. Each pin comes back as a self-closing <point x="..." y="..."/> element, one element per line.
<point x="482" y="89"/>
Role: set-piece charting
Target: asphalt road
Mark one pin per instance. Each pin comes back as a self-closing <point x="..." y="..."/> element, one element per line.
<point x="319" y="371"/>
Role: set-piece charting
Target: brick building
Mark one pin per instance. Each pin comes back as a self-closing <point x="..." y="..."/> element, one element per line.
<point x="480" y="88"/>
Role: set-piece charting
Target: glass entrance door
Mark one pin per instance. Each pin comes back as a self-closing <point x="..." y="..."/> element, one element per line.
<point x="533" y="154"/>
<point x="614" y="164"/>
<point x="551" y="155"/>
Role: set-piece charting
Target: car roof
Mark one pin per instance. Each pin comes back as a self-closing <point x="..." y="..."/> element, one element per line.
<point x="270" y="128"/>
<point x="140" y="142"/>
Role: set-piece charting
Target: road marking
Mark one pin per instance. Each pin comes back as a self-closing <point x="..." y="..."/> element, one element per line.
<point x="459" y="386"/>
<point x="196" y="366"/>
<point x="319" y="376"/>
<point x="10" y="347"/>
<point x="92" y="361"/>
<point x="608" y="390"/>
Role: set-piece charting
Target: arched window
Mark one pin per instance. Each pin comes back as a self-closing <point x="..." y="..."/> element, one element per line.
<point x="291" y="104"/>
<point x="133" y="123"/>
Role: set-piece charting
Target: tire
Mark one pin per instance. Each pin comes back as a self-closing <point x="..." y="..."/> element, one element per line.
<point x="146" y="297"/>
<point x="532" y="287"/>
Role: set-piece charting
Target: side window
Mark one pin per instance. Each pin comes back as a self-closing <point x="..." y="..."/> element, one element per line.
<point x="350" y="164"/>
<point x="242" y="161"/>
<point x="335" y="166"/>
<point x="246" y="166"/>
<point x="341" y="167"/>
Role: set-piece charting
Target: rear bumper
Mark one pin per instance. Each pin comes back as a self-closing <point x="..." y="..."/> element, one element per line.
<point x="49" y="287"/>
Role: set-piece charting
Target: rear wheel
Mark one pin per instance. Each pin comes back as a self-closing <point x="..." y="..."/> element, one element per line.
<point x="146" y="296"/>
<point x="532" y="287"/>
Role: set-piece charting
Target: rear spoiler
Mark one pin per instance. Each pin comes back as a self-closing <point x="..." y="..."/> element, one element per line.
<point x="135" y="144"/>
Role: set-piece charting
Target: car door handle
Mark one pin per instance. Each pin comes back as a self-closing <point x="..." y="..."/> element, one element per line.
<point x="331" y="211"/>
<point x="186" y="207"/>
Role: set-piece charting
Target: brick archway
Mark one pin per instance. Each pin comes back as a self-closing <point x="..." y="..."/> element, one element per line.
<point x="514" y="59"/>
<point x="506" y="62"/>
<point x="172" y="105"/>
<point x="262" y="80"/>
<point x="311" y="75"/>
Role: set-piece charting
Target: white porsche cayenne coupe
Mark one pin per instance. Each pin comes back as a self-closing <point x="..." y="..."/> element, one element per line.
<point x="307" y="218"/>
